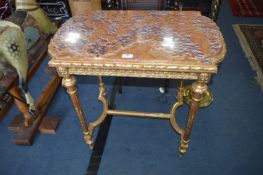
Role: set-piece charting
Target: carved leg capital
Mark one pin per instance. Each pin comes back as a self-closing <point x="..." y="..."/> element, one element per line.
<point x="69" y="82"/>
<point x="198" y="91"/>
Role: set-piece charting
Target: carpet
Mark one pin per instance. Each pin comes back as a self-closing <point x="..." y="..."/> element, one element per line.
<point x="251" y="40"/>
<point x="251" y="8"/>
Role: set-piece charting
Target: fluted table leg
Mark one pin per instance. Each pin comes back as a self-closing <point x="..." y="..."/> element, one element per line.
<point x="69" y="82"/>
<point x="199" y="88"/>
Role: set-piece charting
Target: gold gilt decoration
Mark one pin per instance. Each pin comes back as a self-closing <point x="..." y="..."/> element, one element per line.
<point x="176" y="45"/>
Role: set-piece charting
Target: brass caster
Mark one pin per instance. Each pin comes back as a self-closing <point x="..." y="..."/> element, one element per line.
<point x="89" y="140"/>
<point x="207" y="100"/>
<point x="91" y="146"/>
<point x="183" y="147"/>
<point x="182" y="152"/>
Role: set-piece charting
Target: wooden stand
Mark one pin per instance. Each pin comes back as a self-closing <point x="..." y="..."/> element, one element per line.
<point x="25" y="135"/>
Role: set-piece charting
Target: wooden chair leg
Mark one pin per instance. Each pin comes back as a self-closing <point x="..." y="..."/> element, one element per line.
<point x="23" y="108"/>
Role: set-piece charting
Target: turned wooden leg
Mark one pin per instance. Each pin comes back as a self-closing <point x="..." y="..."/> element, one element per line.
<point x="23" y="108"/>
<point x="69" y="82"/>
<point x="199" y="88"/>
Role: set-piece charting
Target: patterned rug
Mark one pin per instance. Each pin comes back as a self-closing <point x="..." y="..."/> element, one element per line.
<point x="251" y="40"/>
<point x="247" y="7"/>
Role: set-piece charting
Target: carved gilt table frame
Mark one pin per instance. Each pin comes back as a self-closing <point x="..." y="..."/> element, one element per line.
<point x="147" y="44"/>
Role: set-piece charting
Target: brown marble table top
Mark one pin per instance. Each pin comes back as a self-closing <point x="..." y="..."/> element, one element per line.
<point x="124" y="40"/>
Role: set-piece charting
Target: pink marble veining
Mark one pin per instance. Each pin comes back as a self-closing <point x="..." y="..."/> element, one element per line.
<point x="141" y="36"/>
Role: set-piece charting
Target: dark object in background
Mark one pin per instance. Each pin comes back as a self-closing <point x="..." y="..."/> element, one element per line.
<point x="5" y="9"/>
<point x="56" y="9"/>
<point x="205" y="6"/>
